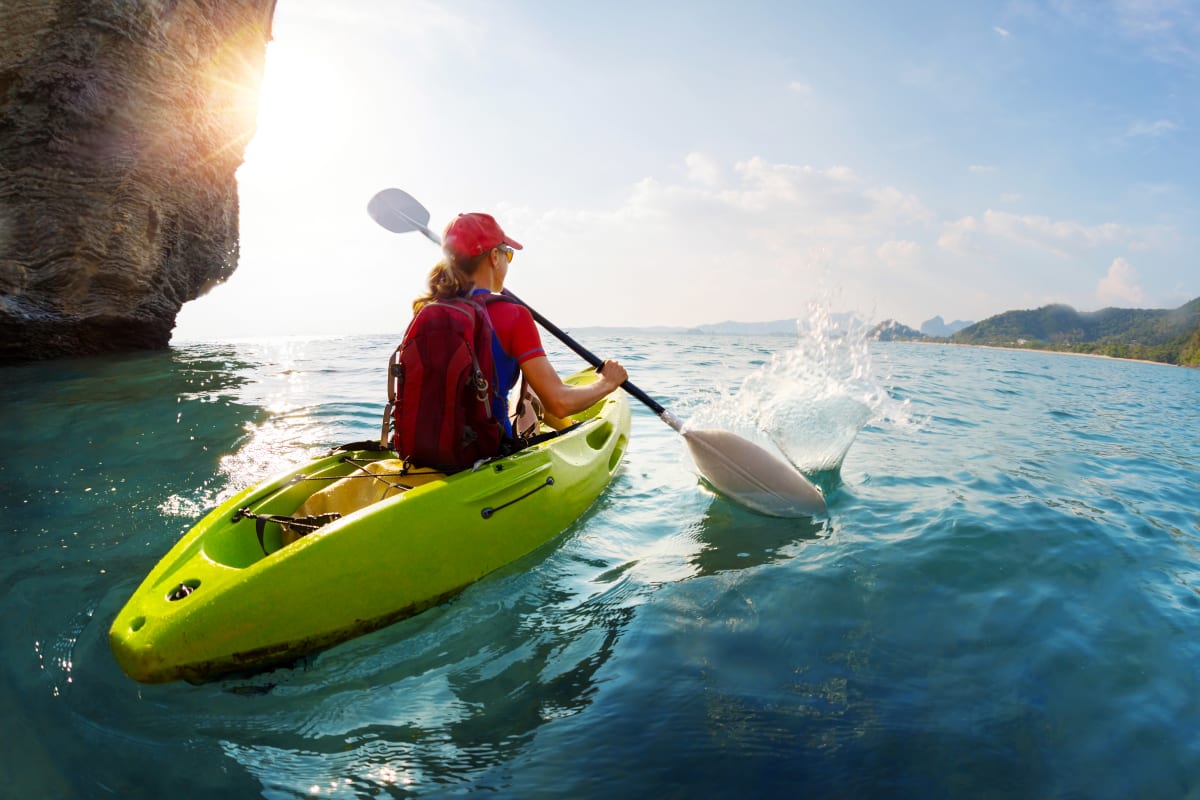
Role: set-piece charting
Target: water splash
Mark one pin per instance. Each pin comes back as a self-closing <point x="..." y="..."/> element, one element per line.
<point x="811" y="401"/>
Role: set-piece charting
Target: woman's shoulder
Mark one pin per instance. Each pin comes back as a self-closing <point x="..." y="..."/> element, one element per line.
<point x="501" y="307"/>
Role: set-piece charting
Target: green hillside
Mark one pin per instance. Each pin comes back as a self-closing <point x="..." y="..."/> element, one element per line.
<point x="892" y="331"/>
<point x="1171" y="336"/>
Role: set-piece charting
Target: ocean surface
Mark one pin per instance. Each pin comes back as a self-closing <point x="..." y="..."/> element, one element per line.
<point x="1003" y="600"/>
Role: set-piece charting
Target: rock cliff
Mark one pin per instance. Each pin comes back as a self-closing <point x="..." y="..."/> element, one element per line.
<point x="121" y="125"/>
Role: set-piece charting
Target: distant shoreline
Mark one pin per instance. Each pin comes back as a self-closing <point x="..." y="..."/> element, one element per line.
<point x="1052" y="352"/>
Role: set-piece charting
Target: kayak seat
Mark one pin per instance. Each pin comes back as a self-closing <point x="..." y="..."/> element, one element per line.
<point x="376" y="481"/>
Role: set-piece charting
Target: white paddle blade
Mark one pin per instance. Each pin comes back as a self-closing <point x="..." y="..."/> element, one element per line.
<point x="753" y="476"/>
<point x="398" y="211"/>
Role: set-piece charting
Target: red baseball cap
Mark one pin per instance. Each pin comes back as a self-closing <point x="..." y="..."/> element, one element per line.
<point x="473" y="234"/>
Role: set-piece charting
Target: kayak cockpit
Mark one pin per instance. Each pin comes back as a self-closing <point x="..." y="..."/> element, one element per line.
<point x="303" y="502"/>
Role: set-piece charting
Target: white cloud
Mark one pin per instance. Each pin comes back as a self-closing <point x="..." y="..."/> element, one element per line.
<point x="703" y="169"/>
<point x="981" y="169"/>
<point x="769" y="185"/>
<point x="1120" y="287"/>
<point x="1050" y="234"/>
<point x="959" y="237"/>
<point x="1167" y="29"/>
<point x="1153" y="130"/>
<point x="897" y="207"/>
<point x="1003" y="32"/>
<point x="800" y="88"/>
<point x="761" y="236"/>
<point x="901" y="253"/>
<point x="1062" y="238"/>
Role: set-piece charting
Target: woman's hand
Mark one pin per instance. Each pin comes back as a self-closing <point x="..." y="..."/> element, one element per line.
<point x="612" y="374"/>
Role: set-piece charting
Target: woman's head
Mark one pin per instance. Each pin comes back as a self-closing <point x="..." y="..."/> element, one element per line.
<point x="470" y="235"/>
<point x="469" y="243"/>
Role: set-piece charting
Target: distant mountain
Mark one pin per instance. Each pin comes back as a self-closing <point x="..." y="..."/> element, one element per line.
<point x="1171" y="336"/>
<point x="629" y="330"/>
<point x="892" y="331"/>
<point x="938" y="327"/>
<point x="779" y="327"/>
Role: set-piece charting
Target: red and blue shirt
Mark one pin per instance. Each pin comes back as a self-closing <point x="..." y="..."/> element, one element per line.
<point x="515" y="341"/>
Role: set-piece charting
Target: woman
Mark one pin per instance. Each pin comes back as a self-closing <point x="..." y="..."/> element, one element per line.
<point x="477" y="256"/>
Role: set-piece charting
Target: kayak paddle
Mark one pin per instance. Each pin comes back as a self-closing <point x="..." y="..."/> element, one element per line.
<point x="734" y="466"/>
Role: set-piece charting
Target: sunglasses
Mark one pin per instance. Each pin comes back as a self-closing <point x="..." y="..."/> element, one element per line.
<point x="506" y="250"/>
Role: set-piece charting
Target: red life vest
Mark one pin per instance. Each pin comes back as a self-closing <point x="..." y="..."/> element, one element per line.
<point x="441" y="385"/>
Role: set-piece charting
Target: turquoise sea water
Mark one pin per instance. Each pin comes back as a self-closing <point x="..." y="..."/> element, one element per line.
<point x="1002" y="601"/>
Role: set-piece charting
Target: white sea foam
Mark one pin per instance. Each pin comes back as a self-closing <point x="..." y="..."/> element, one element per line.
<point x="812" y="400"/>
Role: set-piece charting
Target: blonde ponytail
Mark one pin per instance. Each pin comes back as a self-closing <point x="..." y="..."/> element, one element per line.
<point x="449" y="279"/>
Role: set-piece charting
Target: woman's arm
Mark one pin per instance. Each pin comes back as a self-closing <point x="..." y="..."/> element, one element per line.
<point x="564" y="399"/>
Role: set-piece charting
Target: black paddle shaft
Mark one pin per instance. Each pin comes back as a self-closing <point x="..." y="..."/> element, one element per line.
<point x="586" y="355"/>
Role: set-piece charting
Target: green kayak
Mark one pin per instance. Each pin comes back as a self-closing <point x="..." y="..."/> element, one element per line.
<point x="351" y="542"/>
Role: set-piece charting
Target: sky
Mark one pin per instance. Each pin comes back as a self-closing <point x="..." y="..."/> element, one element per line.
<point x="684" y="163"/>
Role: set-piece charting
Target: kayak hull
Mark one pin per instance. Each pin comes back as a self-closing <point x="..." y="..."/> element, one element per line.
<point x="228" y="597"/>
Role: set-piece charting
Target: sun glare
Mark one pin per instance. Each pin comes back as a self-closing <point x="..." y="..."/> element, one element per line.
<point x="303" y="108"/>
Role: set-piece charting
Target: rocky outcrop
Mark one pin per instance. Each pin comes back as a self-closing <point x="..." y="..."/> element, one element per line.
<point x="121" y="125"/>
